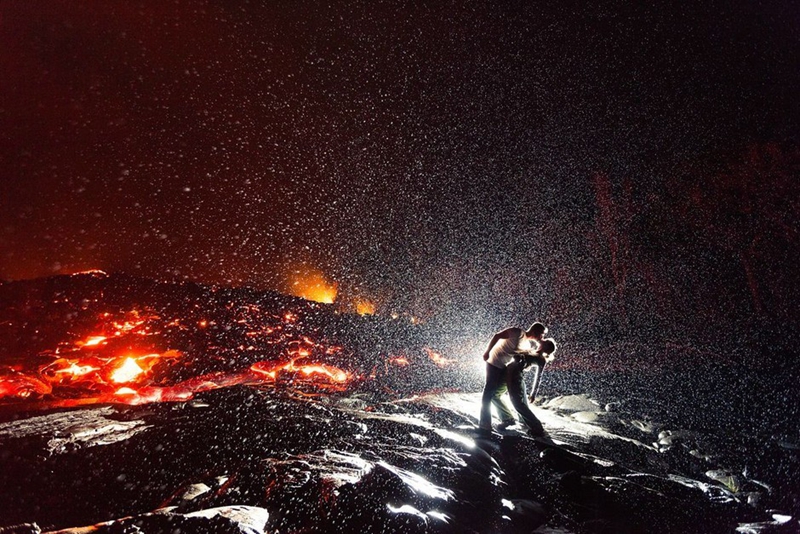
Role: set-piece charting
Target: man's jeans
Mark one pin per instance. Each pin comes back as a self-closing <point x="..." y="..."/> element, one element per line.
<point x="492" y="392"/>
<point x="498" y="381"/>
<point x="516" y="390"/>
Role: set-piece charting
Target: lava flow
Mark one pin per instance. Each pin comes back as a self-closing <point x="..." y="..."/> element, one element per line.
<point x="92" y="351"/>
<point x="139" y="355"/>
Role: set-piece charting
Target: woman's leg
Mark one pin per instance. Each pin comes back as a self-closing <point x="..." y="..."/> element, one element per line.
<point x="516" y="390"/>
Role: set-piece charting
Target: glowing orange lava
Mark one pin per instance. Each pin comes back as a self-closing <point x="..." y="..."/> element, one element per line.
<point x="365" y="307"/>
<point x="311" y="284"/>
<point x="127" y="372"/>
<point x="116" y="362"/>
<point x="77" y="370"/>
<point x="437" y="358"/>
<point x="332" y="374"/>
<point x="92" y="341"/>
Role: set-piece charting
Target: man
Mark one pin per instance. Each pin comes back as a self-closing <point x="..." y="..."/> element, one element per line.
<point x="499" y="354"/>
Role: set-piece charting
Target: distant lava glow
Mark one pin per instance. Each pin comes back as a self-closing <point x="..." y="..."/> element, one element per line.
<point x="312" y="285"/>
<point x="365" y="307"/>
<point x="438" y="359"/>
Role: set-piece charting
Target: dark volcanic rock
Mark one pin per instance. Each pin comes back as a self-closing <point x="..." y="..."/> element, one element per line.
<point x="333" y="464"/>
<point x="389" y="450"/>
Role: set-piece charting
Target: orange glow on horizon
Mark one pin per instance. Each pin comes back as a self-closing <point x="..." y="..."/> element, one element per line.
<point x="95" y="272"/>
<point x="312" y="285"/>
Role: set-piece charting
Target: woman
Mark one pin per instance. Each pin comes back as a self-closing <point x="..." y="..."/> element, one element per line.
<point x="515" y="379"/>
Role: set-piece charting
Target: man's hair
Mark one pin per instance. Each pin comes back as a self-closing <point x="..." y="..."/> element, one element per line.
<point x="537" y="328"/>
<point x="548" y="346"/>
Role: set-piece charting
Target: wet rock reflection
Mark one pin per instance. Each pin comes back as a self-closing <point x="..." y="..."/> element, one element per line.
<point x="258" y="460"/>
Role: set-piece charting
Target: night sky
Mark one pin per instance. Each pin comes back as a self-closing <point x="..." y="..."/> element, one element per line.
<point x="481" y="162"/>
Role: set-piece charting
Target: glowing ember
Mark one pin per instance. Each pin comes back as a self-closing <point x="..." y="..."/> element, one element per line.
<point x="337" y="375"/>
<point x="400" y="360"/>
<point x="128" y="372"/>
<point x="135" y="323"/>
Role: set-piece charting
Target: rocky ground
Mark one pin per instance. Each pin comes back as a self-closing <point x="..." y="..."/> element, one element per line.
<point x="249" y="459"/>
<point x="128" y="406"/>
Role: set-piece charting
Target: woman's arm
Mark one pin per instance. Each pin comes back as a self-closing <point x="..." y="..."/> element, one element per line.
<point x="539" y="363"/>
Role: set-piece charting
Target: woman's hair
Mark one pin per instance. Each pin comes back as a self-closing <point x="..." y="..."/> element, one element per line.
<point x="548" y="347"/>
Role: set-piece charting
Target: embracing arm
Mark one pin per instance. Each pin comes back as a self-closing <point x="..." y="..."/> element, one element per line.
<point x="539" y="364"/>
<point x="505" y="334"/>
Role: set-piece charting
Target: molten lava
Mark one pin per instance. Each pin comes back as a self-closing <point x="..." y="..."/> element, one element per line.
<point x="92" y="341"/>
<point x="438" y="359"/>
<point x="95" y="351"/>
<point x="117" y="362"/>
<point x="365" y="307"/>
<point x="331" y="377"/>
<point x="127" y="372"/>
<point x="312" y="285"/>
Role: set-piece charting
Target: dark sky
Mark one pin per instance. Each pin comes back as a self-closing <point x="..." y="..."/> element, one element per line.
<point x="459" y="154"/>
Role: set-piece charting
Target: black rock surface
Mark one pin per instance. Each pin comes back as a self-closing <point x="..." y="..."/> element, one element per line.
<point x="247" y="459"/>
<point x="393" y="449"/>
